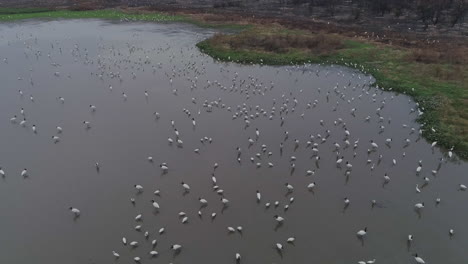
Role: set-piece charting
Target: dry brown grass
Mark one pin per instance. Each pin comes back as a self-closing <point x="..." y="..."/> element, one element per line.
<point x="280" y="43"/>
<point x="85" y="6"/>
<point x="444" y="54"/>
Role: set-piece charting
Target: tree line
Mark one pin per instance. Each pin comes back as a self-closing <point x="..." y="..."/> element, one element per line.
<point x="427" y="11"/>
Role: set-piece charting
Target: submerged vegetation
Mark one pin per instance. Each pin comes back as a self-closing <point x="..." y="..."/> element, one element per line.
<point x="434" y="77"/>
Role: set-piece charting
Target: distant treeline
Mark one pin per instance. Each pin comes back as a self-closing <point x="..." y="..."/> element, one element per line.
<point x="447" y="12"/>
<point x="428" y="11"/>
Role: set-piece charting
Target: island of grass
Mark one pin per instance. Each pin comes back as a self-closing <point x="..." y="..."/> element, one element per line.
<point x="435" y="78"/>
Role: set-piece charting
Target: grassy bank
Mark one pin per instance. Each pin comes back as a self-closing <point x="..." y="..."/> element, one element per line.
<point x="11" y="14"/>
<point x="435" y="79"/>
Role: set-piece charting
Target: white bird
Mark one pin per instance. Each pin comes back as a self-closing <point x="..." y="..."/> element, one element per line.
<point x="75" y="211"/>
<point x="419" y="206"/>
<point x="116" y="255"/>
<point x="24" y="173"/>
<point x="139" y="188"/>
<point x="451" y="232"/>
<point x="278" y="218"/>
<point x="155" y="204"/>
<point x="153" y="253"/>
<point x="2" y="172"/>
<point x="346" y="201"/>
<point x="59" y="130"/>
<point x="291" y="240"/>
<point x="339" y="161"/>
<point x="203" y="202"/>
<point x="124" y="240"/>
<point x="185" y="186"/>
<point x="238" y="257"/>
<point x="180" y="142"/>
<point x="311" y="186"/>
<point x="134" y="244"/>
<point x="417" y="188"/>
<point x="418" y="259"/>
<point x="362" y="233"/>
<point x="462" y="187"/>
<point x="386" y="178"/>
<point x="164" y="167"/>
<point x="176" y="247"/>
<point x="279" y="246"/>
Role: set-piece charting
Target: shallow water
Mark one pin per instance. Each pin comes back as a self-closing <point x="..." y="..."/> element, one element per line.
<point x="88" y="55"/>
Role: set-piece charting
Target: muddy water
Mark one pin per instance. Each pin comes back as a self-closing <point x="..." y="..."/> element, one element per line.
<point x="79" y="60"/>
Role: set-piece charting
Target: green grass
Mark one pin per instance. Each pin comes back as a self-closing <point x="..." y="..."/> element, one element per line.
<point x="444" y="100"/>
<point x="102" y="14"/>
<point x="12" y="14"/>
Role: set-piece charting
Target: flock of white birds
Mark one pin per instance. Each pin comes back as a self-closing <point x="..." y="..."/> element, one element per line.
<point x="123" y="63"/>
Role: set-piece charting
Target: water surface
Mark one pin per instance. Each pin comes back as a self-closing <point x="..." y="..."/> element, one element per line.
<point x="79" y="59"/>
